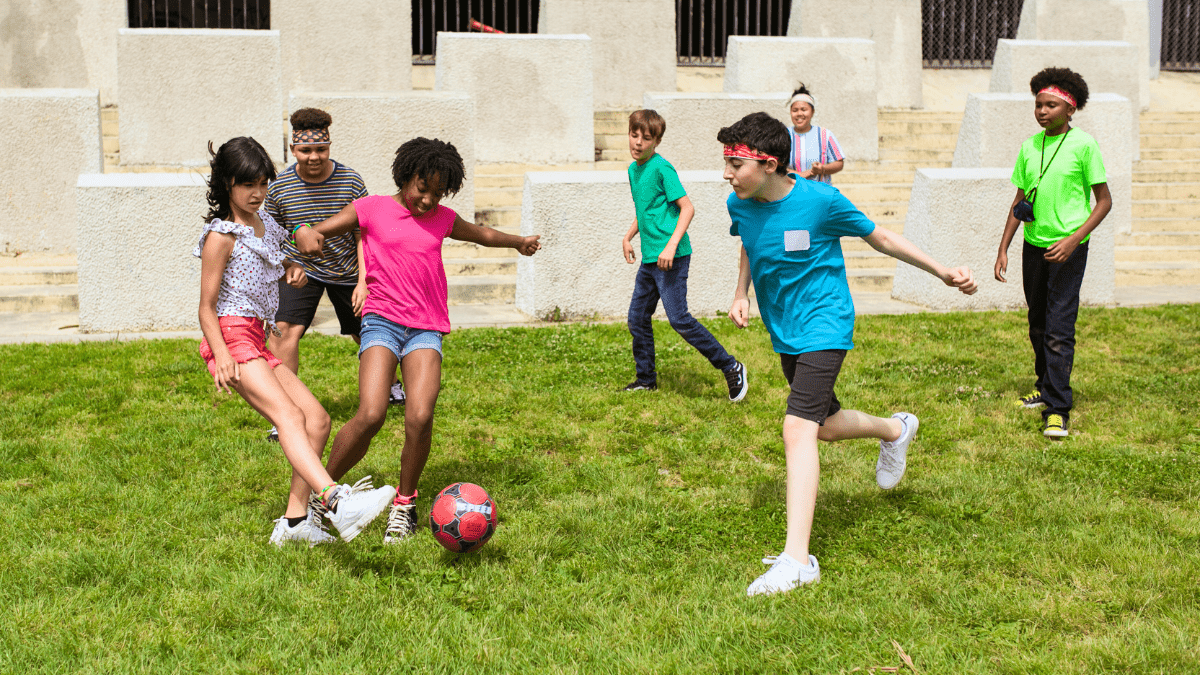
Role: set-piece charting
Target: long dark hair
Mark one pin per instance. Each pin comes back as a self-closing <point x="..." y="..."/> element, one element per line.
<point x="238" y="160"/>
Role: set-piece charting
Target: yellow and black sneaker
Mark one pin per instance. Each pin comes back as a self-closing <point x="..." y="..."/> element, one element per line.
<point x="1033" y="400"/>
<point x="1056" y="427"/>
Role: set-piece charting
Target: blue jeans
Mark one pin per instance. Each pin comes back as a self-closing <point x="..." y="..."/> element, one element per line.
<point x="670" y="286"/>
<point x="400" y="340"/>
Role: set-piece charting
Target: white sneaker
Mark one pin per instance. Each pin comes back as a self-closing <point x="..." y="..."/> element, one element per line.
<point x="893" y="455"/>
<point x="785" y="574"/>
<point x="353" y="508"/>
<point x="306" y="531"/>
<point x="396" y="395"/>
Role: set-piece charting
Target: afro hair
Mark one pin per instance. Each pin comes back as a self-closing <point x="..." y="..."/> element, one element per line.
<point x="428" y="159"/>
<point x="310" y="118"/>
<point x="1065" y="79"/>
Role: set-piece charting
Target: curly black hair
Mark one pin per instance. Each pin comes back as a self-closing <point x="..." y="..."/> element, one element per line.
<point x="802" y="90"/>
<point x="1065" y="79"/>
<point x="428" y="159"/>
<point x="310" y="118"/>
<point x="763" y="133"/>
<point x="239" y="160"/>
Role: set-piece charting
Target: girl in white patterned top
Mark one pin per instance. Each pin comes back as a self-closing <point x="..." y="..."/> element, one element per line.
<point x="240" y="265"/>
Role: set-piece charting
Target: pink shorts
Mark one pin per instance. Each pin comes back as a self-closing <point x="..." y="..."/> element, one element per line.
<point x="246" y="340"/>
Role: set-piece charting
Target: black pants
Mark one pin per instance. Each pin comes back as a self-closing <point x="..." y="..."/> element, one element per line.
<point x="1052" y="293"/>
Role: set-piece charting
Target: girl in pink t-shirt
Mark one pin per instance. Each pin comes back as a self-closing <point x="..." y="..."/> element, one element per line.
<point x="405" y="313"/>
<point x="240" y="263"/>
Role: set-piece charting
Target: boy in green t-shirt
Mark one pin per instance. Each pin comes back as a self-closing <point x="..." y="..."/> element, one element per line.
<point x="663" y="215"/>
<point x="1054" y="171"/>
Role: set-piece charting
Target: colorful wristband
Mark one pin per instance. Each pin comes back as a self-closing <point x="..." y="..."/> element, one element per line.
<point x="297" y="228"/>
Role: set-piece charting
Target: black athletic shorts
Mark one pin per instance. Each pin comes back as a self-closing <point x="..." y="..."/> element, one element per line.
<point x="299" y="305"/>
<point x="812" y="376"/>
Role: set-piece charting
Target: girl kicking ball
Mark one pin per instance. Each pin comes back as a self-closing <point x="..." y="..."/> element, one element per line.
<point x="405" y="314"/>
<point x="240" y="266"/>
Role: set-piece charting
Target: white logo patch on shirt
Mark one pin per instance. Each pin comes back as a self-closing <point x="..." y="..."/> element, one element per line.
<point x="795" y="240"/>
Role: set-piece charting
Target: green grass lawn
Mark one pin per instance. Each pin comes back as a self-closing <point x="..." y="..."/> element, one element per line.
<point x="138" y="505"/>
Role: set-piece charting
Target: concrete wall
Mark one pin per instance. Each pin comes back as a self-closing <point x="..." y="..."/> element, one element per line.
<point x="53" y="135"/>
<point x="359" y="46"/>
<point x="146" y="278"/>
<point x="582" y="216"/>
<point x="957" y="216"/>
<point x="633" y="44"/>
<point x="693" y="121"/>
<point x="1120" y="20"/>
<point x="48" y="44"/>
<point x="183" y="88"/>
<point x="1106" y="66"/>
<point x="367" y="129"/>
<point x="533" y="94"/>
<point x="839" y="72"/>
<point x="893" y="25"/>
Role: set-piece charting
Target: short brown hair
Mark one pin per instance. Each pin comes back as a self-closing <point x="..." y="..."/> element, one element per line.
<point x="310" y="118"/>
<point x="648" y="122"/>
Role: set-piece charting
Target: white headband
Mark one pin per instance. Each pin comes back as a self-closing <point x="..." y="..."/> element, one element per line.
<point x="802" y="97"/>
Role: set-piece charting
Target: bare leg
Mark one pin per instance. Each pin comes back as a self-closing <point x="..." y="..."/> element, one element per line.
<point x="423" y="373"/>
<point x="803" y="470"/>
<point x="376" y="369"/>
<point x="302" y="439"/>
<point x="287" y="346"/>
<point x="846" y="424"/>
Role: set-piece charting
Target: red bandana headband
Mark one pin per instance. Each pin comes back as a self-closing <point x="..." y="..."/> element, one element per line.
<point x="743" y="151"/>
<point x="1055" y="91"/>
<point x="310" y="136"/>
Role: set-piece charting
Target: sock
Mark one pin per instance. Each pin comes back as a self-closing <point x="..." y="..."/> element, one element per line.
<point x="293" y="522"/>
<point x="406" y="499"/>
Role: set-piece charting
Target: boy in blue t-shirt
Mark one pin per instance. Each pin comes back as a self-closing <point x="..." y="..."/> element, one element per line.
<point x="791" y="247"/>
<point x="663" y="215"/>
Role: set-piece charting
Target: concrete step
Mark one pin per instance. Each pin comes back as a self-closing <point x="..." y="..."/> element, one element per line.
<point x="1163" y="254"/>
<point x="43" y="298"/>
<point x="911" y="165"/>
<point x="482" y="290"/>
<point x="920" y="156"/>
<point x="615" y="165"/>
<point x="38" y="276"/>
<point x="1177" y="126"/>
<point x="869" y="259"/>
<point x="1168" y="239"/>
<point x="479" y="266"/>
<point x="1163" y="165"/>
<point x="855" y="176"/>
<point x="1166" y="190"/>
<point x="881" y="211"/>
<point x="1166" y="208"/>
<point x="1177" y="224"/>
<point x="612" y="127"/>
<point x="1182" y="176"/>
<point x="614" y="155"/>
<point x="909" y="127"/>
<point x="1172" y="140"/>
<point x="499" y="180"/>
<point x="918" y="141"/>
<point x="515" y="168"/>
<point x="613" y="142"/>
<point x="865" y="193"/>
<point x="1169" y="115"/>
<point x="1175" y="154"/>
<point x="1157" y="273"/>
<point x="870" y="281"/>
<point x="452" y="249"/>
<point x="506" y="218"/>
<point x="614" y="114"/>
<point x="486" y="198"/>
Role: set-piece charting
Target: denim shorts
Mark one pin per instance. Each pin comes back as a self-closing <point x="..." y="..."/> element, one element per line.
<point x="400" y="340"/>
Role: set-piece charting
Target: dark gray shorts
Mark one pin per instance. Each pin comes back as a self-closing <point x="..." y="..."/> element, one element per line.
<point x="812" y="376"/>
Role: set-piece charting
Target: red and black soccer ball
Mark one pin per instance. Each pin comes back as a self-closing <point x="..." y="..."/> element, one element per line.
<point x="463" y="517"/>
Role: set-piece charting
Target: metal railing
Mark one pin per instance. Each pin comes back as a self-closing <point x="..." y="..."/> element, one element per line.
<point x="459" y="16"/>
<point x="1180" y="35"/>
<point x="963" y="33"/>
<point x="703" y="27"/>
<point x="252" y="14"/>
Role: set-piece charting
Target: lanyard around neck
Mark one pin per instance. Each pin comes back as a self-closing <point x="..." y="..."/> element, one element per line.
<point x="1043" y="169"/>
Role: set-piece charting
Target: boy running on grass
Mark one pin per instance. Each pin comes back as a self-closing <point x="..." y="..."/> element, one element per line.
<point x="790" y="231"/>
<point x="663" y="215"/>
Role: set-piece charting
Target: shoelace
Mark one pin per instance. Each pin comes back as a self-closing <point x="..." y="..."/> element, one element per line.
<point x="399" y="521"/>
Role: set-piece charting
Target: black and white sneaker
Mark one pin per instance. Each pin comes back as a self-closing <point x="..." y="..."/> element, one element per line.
<point x="738" y="382"/>
<point x="640" y="386"/>
<point x="273" y="435"/>
<point x="401" y="522"/>
<point x="396" y="396"/>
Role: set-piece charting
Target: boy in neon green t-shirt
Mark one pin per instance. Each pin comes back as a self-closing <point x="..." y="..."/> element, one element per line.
<point x="1055" y="170"/>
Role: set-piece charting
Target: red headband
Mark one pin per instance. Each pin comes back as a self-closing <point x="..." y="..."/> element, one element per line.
<point x="1055" y="91"/>
<point x="743" y="151"/>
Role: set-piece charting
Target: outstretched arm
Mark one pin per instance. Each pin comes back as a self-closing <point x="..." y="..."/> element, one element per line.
<point x="890" y="243"/>
<point x="739" y="313"/>
<point x="310" y="240"/>
<point x="487" y="236"/>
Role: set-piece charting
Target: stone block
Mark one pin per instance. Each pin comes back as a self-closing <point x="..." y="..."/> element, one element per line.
<point x="1106" y="66"/>
<point x="61" y="45"/>
<point x="693" y="120"/>
<point x="839" y="71"/>
<point x="533" y="94"/>
<point x="580" y="271"/>
<point x="53" y="136"/>
<point x="367" y="129"/>
<point x="633" y="44"/>
<point x="359" y="47"/>
<point x="957" y="216"/>
<point x="893" y="25"/>
<point x="184" y="88"/>
<point x="144" y="276"/>
<point x="1123" y="21"/>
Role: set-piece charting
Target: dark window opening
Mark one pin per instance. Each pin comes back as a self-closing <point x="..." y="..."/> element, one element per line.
<point x="703" y="27"/>
<point x="462" y="16"/>
<point x="963" y="33"/>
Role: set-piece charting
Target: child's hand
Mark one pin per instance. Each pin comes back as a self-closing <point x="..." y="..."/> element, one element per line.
<point x="529" y="245"/>
<point x="817" y="168"/>
<point x="358" y="297"/>
<point x="1059" y="252"/>
<point x="739" y="313"/>
<point x="309" y="241"/>
<point x="627" y="249"/>
<point x="228" y="373"/>
<point x="1001" y="267"/>
<point x="295" y="276"/>
<point x="962" y="279"/>
<point x="666" y="259"/>
<point x="805" y="174"/>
